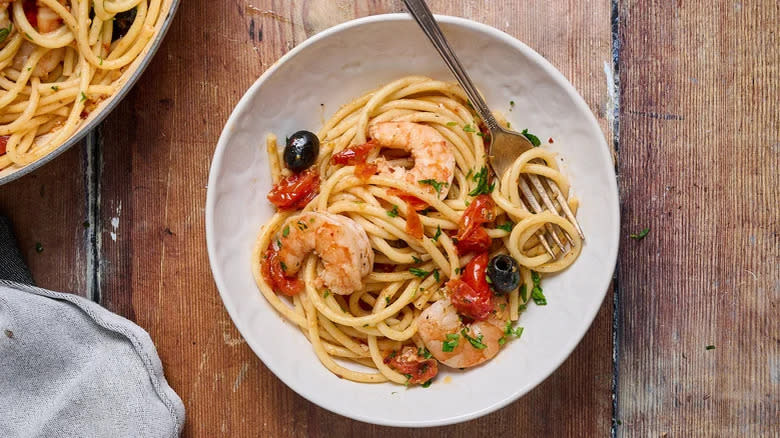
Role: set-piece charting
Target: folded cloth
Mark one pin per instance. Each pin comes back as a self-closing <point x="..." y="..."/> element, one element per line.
<point x="70" y="368"/>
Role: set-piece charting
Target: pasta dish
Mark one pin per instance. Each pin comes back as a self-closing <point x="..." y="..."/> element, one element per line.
<point x="58" y="60"/>
<point x="394" y="248"/>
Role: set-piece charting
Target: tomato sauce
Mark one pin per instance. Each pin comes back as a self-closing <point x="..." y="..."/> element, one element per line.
<point x="472" y="237"/>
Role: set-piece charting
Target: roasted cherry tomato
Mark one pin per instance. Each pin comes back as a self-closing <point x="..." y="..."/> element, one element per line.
<point x="301" y="150"/>
<point x="416" y="203"/>
<point x="273" y="272"/>
<point x="474" y="272"/>
<point x="353" y="154"/>
<point x="3" y="143"/>
<point x="412" y="364"/>
<point x="504" y="274"/>
<point x="295" y="191"/>
<point x="468" y="302"/>
<point x="471" y="235"/>
<point x="30" y="8"/>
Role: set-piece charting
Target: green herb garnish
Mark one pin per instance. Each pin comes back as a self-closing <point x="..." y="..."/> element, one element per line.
<point x="83" y="96"/>
<point x="641" y="235"/>
<point x="286" y="231"/>
<point x="509" y="330"/>
<point x="451" y="342"/>
<point x="387" y="300"/>
<point x="506" y="226"/>
<point x="437" y="185"/>
<point x="469" y="128"/>
<point x="438" y="234"/>
<point x="422" y="351"/>
<point x="475" y="342"/>
<point x="417" y="260"/>
<point x="326" y="294"/>
<point x="483" y="183"/>
<point x="532" y="138"/>
<point x="4" y="32"/>
<point x="451" y="124"/>
<point x="436" y="274"/>
<point x="55" y="88"/>
<point x="393" y="212"/>
<point x="284" y="267"/>
<point x="501" y="340"/>
<point x="418" y="272"/>
<point x="427" y="384"/>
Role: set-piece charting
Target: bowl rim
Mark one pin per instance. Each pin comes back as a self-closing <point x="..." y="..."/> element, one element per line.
<point x="105" y="111"/>
<point x="241" y="107"/>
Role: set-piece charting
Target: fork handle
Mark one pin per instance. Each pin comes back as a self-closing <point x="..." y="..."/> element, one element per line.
<point x="424" y="18"/>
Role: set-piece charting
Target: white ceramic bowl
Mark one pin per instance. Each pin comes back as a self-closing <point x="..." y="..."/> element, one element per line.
<point x="339" y="64"/>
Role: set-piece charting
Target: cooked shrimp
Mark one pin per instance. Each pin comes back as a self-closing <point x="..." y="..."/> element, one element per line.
<point x="48" y="20"/>
<point x="440" y="324"/>
<point x="48" y="62"/>
<point x="340" y="242"/>
<point x="432" y="153"/>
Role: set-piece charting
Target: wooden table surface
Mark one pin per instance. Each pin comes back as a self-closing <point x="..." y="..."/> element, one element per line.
<point x="687" y="95"/>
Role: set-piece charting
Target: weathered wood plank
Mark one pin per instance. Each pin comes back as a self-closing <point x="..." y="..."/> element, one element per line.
<point x="157" y="148"/>
<point x="700" y="137"/>
<point x="47" y="207"/>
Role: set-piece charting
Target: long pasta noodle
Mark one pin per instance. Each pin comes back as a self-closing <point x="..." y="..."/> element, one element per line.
<point x="351" y="335"/>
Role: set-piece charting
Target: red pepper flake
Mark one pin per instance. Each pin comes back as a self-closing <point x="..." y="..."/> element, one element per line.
<point x="550" y="141"/>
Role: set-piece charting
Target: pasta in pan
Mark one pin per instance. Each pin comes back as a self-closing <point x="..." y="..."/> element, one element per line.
<point x="58" y="60"/>
<point x="394" y="247"/>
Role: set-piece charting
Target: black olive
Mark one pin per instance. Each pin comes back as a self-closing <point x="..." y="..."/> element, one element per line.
<point x="301" y="150"/>
<point x="122" y="23"/>
<point x="504" y="274"/>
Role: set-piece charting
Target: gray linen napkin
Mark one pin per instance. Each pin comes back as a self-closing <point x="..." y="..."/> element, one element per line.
<point x="70" y="368"/>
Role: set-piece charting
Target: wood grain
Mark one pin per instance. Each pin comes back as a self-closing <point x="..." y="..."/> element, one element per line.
<point x="156" y="154"/>
<point x="47" y="207"/>
<point x="700" y="137"/>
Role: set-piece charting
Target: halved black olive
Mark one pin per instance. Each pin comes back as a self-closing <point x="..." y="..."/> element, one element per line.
<point x="122" y="23"/>
<point x="504" y="274"/>
<point x="301" y="150"/>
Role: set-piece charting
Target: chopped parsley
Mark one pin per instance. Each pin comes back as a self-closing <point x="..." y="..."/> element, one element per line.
<point x="511" y="103"/>
<point x="501" y="340"/>
<point x="506" y="226"/>
<point x="417" y="260"/>
<point x="483" y="183"/>
<point x="286" y="231"/>
<point x="302" y="225"/>
<point x="55" y="88"/>
<point x="100" y="58"/>
<point x="641" y="235"/>
<point x="709" y="347"/>
<point x="422" y="351"/>
<point x="28" y="36"/>
<point x="509" y="330"/>
<point x="488" y="280"/>
<point x="471" y="172"/>
<point x="4" y="32"/>
<point x="326" y="294"/>
<point x="536" y="292"/>
<point x="523" y="292"/>
<point x="428" y="383"/>
<point x="437" y="185"/>
<point x="451" y="342"/>
<point x="83" y="96"/>
<point x="469" y="128"/>
<point x="418" y="272"/>
<point x="436" y="274"/>
<point x="387" y="300"/>
<point x="278" y="244"/>
<point x="475" y="342"/>
<point x="532" y="138"/>
<point x="509" y="125"/>
<point x="393" y="212"/>
<point x="436" y="236"/>
<point x="451" y="124"/>
<point x="38" y="247"/>
<point x="284" y="267"/>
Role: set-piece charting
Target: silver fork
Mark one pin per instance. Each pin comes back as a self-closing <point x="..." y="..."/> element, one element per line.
<point x="505" y="145"/>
